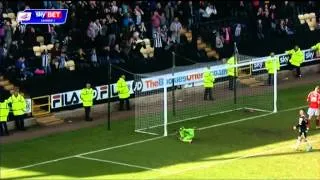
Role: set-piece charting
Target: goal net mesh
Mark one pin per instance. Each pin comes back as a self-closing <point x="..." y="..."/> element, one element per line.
<point x="172" y="103"/>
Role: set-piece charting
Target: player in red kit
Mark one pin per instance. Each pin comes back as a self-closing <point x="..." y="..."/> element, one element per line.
<point x="314" y="104"/>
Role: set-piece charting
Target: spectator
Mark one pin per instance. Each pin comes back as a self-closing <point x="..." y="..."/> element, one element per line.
<point x="260" y="29"/>
<point x="155" y="20"/>
<point x="227" y="35"/>
<point x="56" y="51"/>
<point x="92" y="31"/>
<point x="2" y="58"/>
<point x="94" y="58"/>
<point x="175" y="29"/>
<point x="157" y="41"/>
<point x="46" y="61"/>
<point x="53" y="34"/>
<point x="189" y="12"/>
<point x="8" y="31"/>
<point x="115" y="54"/>
<point x="163" y="20"/>
<point x="169" y="11"/>
<point x="237" y="33"/>
<point x="288" y="26"/>
<point x="142" y="30"/>
<point x="210" y="10"/>
<point x="23" y="69"/>
<point x="114" y="7"/>
<point x="30" y="37"/>
<point x="112" y="30"/>
<point x="219" y="41"/>
<point x="138" y="13"/>
<point x="62" y="61"/>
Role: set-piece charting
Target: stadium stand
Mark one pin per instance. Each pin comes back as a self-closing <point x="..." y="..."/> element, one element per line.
<point x="125" y="33"/>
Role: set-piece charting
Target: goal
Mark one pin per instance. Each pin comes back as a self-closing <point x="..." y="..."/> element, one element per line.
<point x="169" y="101"/>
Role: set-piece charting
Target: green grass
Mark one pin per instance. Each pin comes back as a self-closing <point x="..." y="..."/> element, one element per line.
<point x="217" y="153"/>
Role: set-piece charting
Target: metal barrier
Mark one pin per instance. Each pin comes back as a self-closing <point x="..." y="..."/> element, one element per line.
<point x="41" y="105"/>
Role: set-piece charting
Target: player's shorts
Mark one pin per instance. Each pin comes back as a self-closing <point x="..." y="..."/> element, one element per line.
<point x="313" y="112"/>
<point x="303" y="133"/>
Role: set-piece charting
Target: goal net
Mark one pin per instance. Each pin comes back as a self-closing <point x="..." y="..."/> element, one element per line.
<point x="169" y="101"/>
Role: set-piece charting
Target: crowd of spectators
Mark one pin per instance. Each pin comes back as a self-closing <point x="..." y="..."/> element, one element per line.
<point x="100" y="31"/>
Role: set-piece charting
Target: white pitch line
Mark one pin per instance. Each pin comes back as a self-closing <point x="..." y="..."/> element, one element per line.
<point x="256" y="109"/>
<point x="119" y="163"/>
<point x="233" y="122"/>
<point x="119" y="146"/>
<point x="144" y="132"/>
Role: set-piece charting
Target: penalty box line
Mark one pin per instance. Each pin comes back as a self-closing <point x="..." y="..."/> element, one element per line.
<point x="136" y="142"/>
<point x="119" y="163"/>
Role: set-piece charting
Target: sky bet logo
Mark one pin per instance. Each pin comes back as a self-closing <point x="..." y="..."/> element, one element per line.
<point x="49" y="14"/>
<point x="43" y="16"/>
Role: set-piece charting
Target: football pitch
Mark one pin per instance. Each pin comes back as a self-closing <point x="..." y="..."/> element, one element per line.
<point x="236" y="145"/>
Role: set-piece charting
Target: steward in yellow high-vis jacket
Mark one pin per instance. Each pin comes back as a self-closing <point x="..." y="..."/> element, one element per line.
<point x="208" y="83"/>
<point x="18" y="106"/>
<point x="87" y="95"/>
<point x="296" y="60"/>
<point x="272" y="65"/>
<point x="4" y="112"/>
<point x="123" y="92"/>
<point x="232" y="71"/>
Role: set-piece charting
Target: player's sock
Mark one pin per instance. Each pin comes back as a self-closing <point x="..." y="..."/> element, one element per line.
<point x="309" y="146"/>
<point x="297" y="145"/>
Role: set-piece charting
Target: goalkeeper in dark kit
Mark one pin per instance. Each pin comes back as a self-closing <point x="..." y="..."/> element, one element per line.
<point x="302" y="128"/>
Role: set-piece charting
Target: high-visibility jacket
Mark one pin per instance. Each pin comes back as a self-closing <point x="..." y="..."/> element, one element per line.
<point x="272" y="64"/>
<point x="316" y="47"/>
<point x="4" y="111"/>
<point x="87" y="95"/>
<point x="230" y="67"/>
<point x="18" y="104"/>
<point x="208" y="79"/>
<point x="296" y="57"/>
<point x="123" y="89"/>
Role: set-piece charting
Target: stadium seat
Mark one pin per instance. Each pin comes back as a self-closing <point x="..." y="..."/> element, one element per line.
<point x="199" y="41"/>
<point x="207" y="49"/>
<point x="146" y="41"/>
<point x="301" y="19"/>
<point x="14" y="24"/>
<point x="37" y="50"/>
<point x="11" y="15"/>
<point x="201" y="46"/>
<point x="43" y="48"/>
<point x="49" y="46"/>
<point x="70" y="65"/>
<point x="147" y="52"/>
<point x="183" y="31"/>
<point x="189" y="36"/>
<point x="311" y="20"/>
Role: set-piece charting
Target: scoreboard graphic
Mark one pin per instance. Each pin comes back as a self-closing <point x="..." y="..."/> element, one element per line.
<point x="42" y="16"/>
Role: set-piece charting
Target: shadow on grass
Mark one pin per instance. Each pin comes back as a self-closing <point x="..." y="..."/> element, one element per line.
<point x="300" y="152"/>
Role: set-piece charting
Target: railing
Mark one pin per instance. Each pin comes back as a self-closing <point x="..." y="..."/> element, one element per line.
<point x="41" y="105"/>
